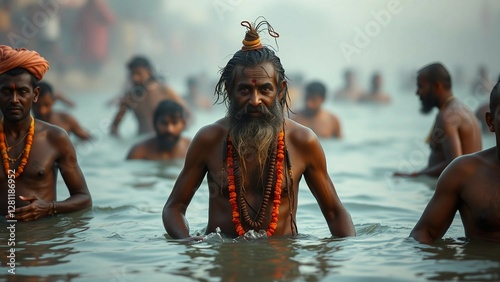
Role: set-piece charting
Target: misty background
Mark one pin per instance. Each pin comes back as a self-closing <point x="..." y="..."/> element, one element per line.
<point x="198" y="37"/>
<point x="318" y="39"/>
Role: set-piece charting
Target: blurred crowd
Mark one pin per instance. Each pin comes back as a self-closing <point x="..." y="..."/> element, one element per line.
<point x="78" y="37"/>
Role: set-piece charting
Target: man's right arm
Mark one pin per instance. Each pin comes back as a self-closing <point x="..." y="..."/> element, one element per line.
<point x="189" y="180"/>
<point x="441" y="209"/>
<point x="119" y="115"/>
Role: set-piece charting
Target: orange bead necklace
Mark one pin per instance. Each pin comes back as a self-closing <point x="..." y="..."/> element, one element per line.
<point x="235" y="189"/>
<point x="25" y="153"/>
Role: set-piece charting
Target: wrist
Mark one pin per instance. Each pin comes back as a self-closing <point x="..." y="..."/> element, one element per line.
<point x="53" y="208"/>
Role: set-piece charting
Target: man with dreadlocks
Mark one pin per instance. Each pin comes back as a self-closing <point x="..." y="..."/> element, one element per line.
<point x="248" y="155"/>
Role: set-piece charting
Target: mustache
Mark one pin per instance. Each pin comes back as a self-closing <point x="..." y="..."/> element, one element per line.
<point x="167" y="136"/>
<point x="249" y="109"/>
<point x="13" y="108"/>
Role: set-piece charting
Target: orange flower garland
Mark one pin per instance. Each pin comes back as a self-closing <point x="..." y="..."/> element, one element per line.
<point x="26" y="150"/>
<point x="280" y="156"/>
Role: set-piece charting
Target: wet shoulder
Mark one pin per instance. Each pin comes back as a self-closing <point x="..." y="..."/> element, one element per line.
<point x="467" y="165"/>
<point x="299" y="135"/>
<point x="456" y="113"/>
<point x="52" y="132"/>
<point x="212" y="133"/>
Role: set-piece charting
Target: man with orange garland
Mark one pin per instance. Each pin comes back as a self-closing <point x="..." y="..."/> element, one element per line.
<point x="248" y="156"/>
<point x="32" y="150"/>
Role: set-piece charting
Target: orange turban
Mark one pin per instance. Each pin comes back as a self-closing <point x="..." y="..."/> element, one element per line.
<point x="11" y="58"/>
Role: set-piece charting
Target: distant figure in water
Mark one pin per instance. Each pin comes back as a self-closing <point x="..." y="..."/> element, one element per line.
<point x="169" y="122"/>
<point x="42" y="110"/>
<point x="456" y="130"/>
<point x="33" y="151"/>
<point x="483" y="83"/>
<point x="470" y="184"/>
<point x="351" y="91"/>
<point x="314" y="116"/>
<point x="247" y="156"/>
<point x="377" y="94"/>
<point x="195" y="96"/>
<point x="143" y="96"/>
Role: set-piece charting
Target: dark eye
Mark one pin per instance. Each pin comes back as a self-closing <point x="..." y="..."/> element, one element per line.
<point x="244" y="89"/>
<point x="267" y="89"/>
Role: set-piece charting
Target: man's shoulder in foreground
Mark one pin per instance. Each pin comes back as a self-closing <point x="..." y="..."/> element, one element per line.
<point x="467" y="165"/>
<point x="51" y="130"/>
<point x="213" y="131"/>
<point x="299" y="133"/>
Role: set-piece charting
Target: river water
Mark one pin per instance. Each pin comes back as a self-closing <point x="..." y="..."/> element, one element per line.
<point x="121" y="238"/>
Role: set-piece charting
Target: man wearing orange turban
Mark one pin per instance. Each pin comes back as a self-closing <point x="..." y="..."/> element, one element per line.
<point x="30" y="149"/>
<point x="31" y="61"/>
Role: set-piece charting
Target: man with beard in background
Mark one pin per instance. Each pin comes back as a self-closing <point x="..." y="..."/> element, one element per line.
<point x="169" y="122"/>
<point x="456" y="130"/>
<point x="248" y="156"/>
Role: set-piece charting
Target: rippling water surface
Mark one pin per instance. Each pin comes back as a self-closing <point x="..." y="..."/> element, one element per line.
<point x="122" y="237"/>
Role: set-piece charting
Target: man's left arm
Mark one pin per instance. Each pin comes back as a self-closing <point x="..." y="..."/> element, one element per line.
<point x="441" y="209"/>
<point x="316" y="175"/>
<point x="450" y="143"/>
<point x="73" y="178"/>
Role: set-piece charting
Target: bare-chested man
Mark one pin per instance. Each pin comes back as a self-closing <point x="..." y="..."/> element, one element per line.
<point x="254" y="158"/>
<point x="456" y="130"/>
<point x="169" y="122"/>
<point x="42" y="110"/>
<point x="144" y="95"/>
<point x="314" y="116"/>
<point x="470" y="184"/>
<point x="33" y="151"/>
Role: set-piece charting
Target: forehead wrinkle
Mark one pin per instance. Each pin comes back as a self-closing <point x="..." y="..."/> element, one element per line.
<point x="265" y="71"/>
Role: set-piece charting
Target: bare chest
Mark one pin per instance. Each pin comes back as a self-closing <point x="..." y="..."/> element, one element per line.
<point x="481" y="202"/>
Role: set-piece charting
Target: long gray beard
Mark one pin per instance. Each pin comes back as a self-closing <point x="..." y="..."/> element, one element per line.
<point x="253" y="137"/>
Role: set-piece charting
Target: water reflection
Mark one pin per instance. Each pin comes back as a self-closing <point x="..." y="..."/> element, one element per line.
<point x="46" y="242"/>
<point x="461" y="260"/>
<point x="273" y="259"/>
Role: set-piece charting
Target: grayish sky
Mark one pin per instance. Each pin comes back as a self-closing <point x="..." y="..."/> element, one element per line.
<point x="320" y="38"/>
